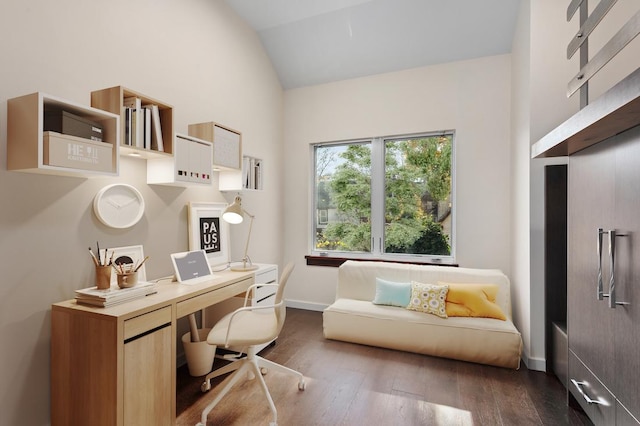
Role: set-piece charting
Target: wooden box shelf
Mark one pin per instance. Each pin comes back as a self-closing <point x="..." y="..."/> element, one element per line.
<point x="227" y="144"/>
<point x="32" y="149"/>
<point x="113" y="100"/>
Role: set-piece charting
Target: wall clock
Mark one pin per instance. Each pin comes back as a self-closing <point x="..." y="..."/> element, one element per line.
<point x="119" y="205"/>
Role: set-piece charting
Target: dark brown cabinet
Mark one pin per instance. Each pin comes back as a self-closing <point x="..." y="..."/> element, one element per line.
<point x="626" y="315"/>
<point x="602" y="141"/>
<point x="603" y="288"/>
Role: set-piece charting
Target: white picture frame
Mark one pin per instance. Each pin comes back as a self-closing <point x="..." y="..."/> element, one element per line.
<point x="208" y="232"/>
<point x="134" y="253"/>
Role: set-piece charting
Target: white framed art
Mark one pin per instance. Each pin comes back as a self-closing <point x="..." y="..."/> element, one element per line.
<point x="127" y="255"/>
<point x="208" y="232"/>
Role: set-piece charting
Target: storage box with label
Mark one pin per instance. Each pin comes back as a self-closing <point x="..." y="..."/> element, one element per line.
<point x="70" y="124"/>
<point x="77" y="153"/>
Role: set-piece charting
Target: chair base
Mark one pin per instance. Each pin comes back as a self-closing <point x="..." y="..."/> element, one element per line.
<point x="249" y="367"/>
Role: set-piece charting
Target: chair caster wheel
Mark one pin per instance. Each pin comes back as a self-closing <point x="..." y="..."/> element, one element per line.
<point x="205" y="386"/>
<point x="302" y="385"/>
<point x="264" y="371"/>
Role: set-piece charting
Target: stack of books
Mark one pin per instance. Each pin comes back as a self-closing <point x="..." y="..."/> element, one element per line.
<point x="142" y="125"/>
<point x="114" y="295"/>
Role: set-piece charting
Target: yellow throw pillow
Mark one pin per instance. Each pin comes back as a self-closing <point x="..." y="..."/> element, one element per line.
<point x="473" y="300"/>
<point x="429" y="298"/>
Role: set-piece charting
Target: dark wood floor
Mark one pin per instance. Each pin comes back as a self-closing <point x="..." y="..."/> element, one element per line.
<point x="349" y="384"/>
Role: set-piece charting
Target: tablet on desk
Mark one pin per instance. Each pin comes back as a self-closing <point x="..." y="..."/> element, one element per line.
<point x="191" y="267"/>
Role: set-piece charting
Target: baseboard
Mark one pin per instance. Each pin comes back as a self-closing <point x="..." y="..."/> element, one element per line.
<point x="536" y="364"/>
<point x="309" y="306"/>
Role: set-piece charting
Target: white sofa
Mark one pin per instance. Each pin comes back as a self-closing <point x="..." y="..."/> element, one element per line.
<point x="354" y="318"/>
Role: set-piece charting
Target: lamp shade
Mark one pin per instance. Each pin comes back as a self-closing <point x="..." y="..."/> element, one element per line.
<point x="233" y="213"/>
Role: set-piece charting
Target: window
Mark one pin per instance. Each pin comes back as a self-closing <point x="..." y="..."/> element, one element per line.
<point x="385" y="197"/>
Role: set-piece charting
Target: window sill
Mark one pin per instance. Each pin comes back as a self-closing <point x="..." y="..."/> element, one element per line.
<point x="335" y="262"/>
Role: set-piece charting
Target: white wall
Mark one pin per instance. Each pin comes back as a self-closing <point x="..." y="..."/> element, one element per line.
<point x="472" y="97"/>
<point x="195" y="55"/>
<point x="519" y="209"/>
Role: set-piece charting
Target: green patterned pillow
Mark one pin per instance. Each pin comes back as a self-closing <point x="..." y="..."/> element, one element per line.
<point x="429" y="298"/>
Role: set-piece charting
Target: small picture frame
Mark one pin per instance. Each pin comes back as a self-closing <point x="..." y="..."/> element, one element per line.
<point x="208" y="232"/>
<point x="128" y="255"/>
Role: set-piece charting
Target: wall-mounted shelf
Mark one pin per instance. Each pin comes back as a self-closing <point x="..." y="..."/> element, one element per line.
<point x="250" y="178"/>
<point x="227" y="144"/>
<point x="614" y="112"/>
<point x="190" y="164"/>
<point x="117" y="99"/>
<point x="31" y="147"/>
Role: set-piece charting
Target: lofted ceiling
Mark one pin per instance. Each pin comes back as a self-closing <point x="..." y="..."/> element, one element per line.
<point x="318" y="41"/>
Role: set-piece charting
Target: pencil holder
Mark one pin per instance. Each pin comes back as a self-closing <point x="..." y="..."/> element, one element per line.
<point x="103" y="277"/>
<point x="128" y="279"/>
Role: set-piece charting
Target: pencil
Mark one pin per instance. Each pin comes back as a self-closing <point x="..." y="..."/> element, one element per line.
<point x="93" y="256"/>
<point x="138" y="267"/>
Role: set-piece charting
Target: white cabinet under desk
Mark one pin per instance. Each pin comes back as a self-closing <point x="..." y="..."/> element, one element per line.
<point x="265" y="274"/>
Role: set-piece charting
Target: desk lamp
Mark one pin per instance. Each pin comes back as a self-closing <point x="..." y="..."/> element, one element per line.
<point x="234" y="214"/>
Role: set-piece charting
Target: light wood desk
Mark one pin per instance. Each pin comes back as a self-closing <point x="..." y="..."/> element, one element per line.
<point x="117" y="365"/>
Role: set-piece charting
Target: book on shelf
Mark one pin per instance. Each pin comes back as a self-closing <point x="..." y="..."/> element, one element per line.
<point x="157" y="142"/>
<point x="245" y="172"/>
<point x="258" y="175"/>
<point x="127" y="126"/>
<point x="137" y="121"/>
<point x="113" y="295"/>
<point x="147" y="127"/>
<point x="252" y="173"/>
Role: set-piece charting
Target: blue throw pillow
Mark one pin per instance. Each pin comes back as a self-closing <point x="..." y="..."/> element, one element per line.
<point x="392" y="293"/>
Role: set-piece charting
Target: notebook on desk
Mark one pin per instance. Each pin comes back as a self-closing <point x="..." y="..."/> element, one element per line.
<point x="191" y="267"/>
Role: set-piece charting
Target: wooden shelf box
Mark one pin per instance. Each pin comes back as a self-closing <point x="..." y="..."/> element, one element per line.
<point x="227" y="144"/>
<point x="32" y="149"/>
<point x="113" y="100"/>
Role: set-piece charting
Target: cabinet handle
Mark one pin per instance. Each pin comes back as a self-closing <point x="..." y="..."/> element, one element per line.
<point x="612" y="264"/>
<point x="586" y="397"/>
<point x="612" y="282"/>
<point x="600" y="292"/>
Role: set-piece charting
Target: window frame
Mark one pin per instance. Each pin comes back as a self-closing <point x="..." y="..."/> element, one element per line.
<point x="378" y="146"/>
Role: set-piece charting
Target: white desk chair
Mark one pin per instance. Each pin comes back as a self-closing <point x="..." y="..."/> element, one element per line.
<point x="250" y="326"/>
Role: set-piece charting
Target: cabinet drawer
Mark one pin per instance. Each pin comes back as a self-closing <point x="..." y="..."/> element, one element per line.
<point x="263" y="292"/>
<point x="146" y="322"/>
<point x="594" y="398"/>
<point x="624" y="417"/>
<point x="268" y="276"/>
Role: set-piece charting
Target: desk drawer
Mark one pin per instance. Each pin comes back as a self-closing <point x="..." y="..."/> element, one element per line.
<point x="263" y="293"/>
<point x="212" y="297"/>
<point x="138" y="325"/>
<point x="268" y="276"/>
